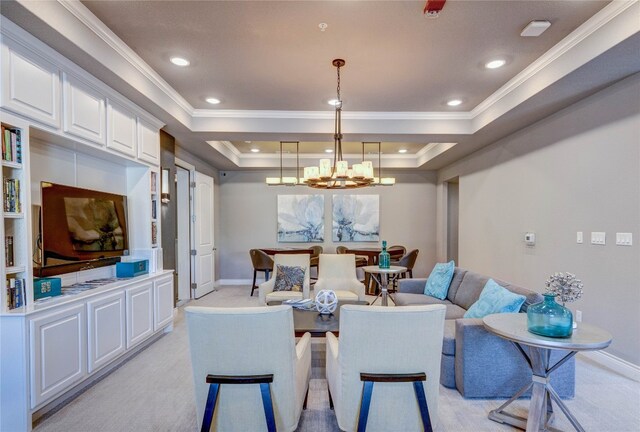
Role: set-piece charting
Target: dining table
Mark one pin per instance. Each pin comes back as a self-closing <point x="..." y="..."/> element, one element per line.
<point x="274" y="251"/>
<point x="372" y="259"/>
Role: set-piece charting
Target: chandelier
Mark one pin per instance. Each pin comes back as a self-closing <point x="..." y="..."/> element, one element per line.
<point x="336" y="175"/>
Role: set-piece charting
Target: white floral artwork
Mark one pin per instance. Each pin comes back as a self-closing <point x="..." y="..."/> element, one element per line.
<point x="356" y="218"/>
<point x="301" y="218"/>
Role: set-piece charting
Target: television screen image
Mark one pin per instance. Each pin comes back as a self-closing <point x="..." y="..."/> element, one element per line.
<point x="93" y="224"/>
<point x="81" y="224"/>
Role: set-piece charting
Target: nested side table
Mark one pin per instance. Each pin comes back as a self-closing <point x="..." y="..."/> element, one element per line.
<point x="381" y="276"/>
<point x="513" y="327"/>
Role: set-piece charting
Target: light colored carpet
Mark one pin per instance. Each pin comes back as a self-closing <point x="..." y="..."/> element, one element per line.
<point x="154" y="392"/>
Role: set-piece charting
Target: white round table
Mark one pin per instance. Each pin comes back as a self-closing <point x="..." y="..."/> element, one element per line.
<point x="513" y="327"/>
<point x="381" y="276"/>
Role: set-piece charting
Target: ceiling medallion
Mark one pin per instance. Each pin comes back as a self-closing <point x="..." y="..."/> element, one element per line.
<point x="336" y="175"/>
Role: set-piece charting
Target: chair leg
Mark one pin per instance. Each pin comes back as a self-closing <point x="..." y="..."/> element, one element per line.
<point x="210" y="407"/>
<point x="365" y="403"/>
<point x="306" y="397"/>
<point x="330" y="399"/>
<point x="253" y="285"/>
<point x="422" y="403"/>
<point x="267" y="403"/>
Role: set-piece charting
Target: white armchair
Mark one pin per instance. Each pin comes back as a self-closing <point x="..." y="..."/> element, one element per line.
<point x="266" y="292"/>
<point x="385" y="340"/>
<point x="233" y="342"/>
<point x="337" y="272"/>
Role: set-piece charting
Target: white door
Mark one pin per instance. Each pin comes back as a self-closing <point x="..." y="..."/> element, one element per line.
<point x="183" y="255"/>
<point x="203" y="262"/>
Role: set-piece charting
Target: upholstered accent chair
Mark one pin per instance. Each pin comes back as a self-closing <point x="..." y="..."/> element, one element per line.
<point x="392" y="348"/>
<point x="337" y="272"/>
<point x="248" y="342"/>
<point x="261" y="262"/>
<point x="266" y="290"/>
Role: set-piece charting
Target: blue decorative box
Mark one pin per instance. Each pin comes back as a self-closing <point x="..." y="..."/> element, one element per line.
<point x="132" y="268"/>
<point x="46" y="287"/>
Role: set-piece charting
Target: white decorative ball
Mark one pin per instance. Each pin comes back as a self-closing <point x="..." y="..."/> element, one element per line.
<point x="326" y="301"/>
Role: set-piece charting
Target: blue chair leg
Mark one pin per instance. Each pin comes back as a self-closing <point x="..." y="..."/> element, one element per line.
<point x="210" y="407"/>
<point x="265" y="390"/>
<point x="365" y="403"/>
<point x="422" y="403"/>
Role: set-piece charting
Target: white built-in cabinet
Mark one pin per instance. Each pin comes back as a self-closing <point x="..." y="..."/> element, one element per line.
<point x="122" y="133"/>
<point x="106" y="324"/>
<point x="148" y="142"/>
<point x="57" y="352"/>
<point x="162" y="303"/>
<point x="84" y="110"/>
<point x="139" y="313"/>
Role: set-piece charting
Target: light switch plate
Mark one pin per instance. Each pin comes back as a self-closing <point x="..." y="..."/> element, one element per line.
<point x="624" y="239"/>
<point x="598" y="238"/>
<point x="579" y="237"/>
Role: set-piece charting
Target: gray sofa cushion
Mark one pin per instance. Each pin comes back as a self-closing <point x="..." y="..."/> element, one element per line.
<point x="404" y="299"/>
<point x="454" y="312"/>
<point x="473" y="283"/>
<point x="449" y="339"/>
<point x="458" y="275"/>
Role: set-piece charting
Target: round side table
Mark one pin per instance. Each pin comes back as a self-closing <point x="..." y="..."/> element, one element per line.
<point x="381" y="276"/>
<point x="513" y="327"/>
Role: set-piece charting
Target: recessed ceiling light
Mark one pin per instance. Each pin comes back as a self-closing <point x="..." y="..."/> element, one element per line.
<point x="333" y="102"/>
<point x="248" y="142"/>
<point x="402" y="151"/>
<point x="328" y="150"/>
<point x="454" y="102"/>
<point x="213" y="101"/>
<point x="495" y="64"/>
<point x="255" y="150"/>
<point x="179" y="61"/>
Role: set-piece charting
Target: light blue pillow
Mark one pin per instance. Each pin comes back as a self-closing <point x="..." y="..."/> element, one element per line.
<point x="439" y="280"/>
<point x="495" y="299"/>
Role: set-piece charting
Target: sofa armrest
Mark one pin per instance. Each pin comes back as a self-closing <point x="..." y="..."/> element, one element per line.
<point x="413" y="286"/>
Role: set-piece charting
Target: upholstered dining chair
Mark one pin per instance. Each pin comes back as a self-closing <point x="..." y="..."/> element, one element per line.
<point x="261" y="263"/>
<point x="247" y="361"/>
<point x="315" y="256"/>
<point x="396" y="248"/>
<point x="396" y="358"/>
<point x="408" y="261"/>
<point x="266" y="290"/>
<point x="337" y="272"/>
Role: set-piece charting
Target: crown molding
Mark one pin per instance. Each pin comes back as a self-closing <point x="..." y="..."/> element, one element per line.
<point x="329" y="115"/>
<point x="604" y="16"/>
<point x="84" y="15"/>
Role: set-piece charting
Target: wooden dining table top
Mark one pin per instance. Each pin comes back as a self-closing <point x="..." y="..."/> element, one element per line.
<point x="274" y="251"/>
<point x="373" y="251"/>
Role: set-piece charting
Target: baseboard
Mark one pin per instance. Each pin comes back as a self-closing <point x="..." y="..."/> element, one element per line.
<point x="221" y="282"/>
<point x="614" y="363"/>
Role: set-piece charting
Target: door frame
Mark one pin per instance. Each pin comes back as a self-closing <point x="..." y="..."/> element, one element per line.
<point x="192" y="171"/>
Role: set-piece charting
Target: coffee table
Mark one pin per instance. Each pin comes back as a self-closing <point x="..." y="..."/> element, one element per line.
<point x="313" y="322"/>
<point x="513" y="327"/>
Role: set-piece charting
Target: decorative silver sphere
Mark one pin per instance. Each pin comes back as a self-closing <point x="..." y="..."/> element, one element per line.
<point x="326" y="301"/>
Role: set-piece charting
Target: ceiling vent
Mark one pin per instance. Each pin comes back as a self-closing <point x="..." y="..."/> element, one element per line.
<point x="535" y="28"/>
<point x="433" y="7"/>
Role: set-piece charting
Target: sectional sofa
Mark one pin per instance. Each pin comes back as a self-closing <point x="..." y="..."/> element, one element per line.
<point x="476" y="362"/>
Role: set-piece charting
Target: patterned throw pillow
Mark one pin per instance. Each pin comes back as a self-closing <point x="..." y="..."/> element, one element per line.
<point x="495" y="299"/>
<point x="439" y="280"/>
<point x="289" y="278"/>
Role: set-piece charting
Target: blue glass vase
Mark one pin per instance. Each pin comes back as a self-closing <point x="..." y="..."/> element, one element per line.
<point x="384" y="259"/>
<point x="549" y="318"/>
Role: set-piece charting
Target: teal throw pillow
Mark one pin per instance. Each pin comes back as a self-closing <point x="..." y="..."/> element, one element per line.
<point x="289" y="278"/>
<point x="439" y="280"/>
<point x="495" y="299"/>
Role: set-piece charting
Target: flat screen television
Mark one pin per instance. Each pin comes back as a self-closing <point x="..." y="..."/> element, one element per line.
<point x="79" y="225"/>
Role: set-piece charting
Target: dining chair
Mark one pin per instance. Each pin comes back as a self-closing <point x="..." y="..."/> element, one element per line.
<point x="315" y="256"/>
<point x="261" y="263"/>
<point x="337" y="272"/>
<point x="248" y="372"/>
<point x="361" y="261"/>
<point x="266" y="291"/>
<point x="408" y="261"/>
<point x="401" y="367"/>
<point x="393" y="250"/>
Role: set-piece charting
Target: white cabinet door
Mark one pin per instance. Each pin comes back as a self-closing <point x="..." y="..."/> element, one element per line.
<point x="148" y="142"/>
<point x="84" y="110"/>
<point x="139" y="313"/>
<point x="163" y="303"/>
<point x="30" y="86"/>
<point x="122" y="129"/>
<point x="106" y="337"/>
<point x="58" y="352"/>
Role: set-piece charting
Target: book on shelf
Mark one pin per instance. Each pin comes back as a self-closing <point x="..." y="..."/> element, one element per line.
<point x="11" y="189"/>
<point x="16" y="295"/>
<point x="154" y="233"/>
<point x="11" y="144"/>
<point x="8" y="251"/>
<point x="154" y="182"/>
<point x="154" y="209"/>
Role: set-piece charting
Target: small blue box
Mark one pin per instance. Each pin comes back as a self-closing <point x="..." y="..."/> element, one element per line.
<point x="46" y="287"/>
<point x="132" y="268"/>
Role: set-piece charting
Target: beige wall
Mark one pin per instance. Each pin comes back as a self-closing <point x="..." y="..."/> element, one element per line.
<point x="578" y="170"/>
<point x="248" y="219"/>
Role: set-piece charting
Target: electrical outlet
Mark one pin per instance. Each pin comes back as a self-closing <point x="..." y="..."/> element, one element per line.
<point x="578" y="316"/>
